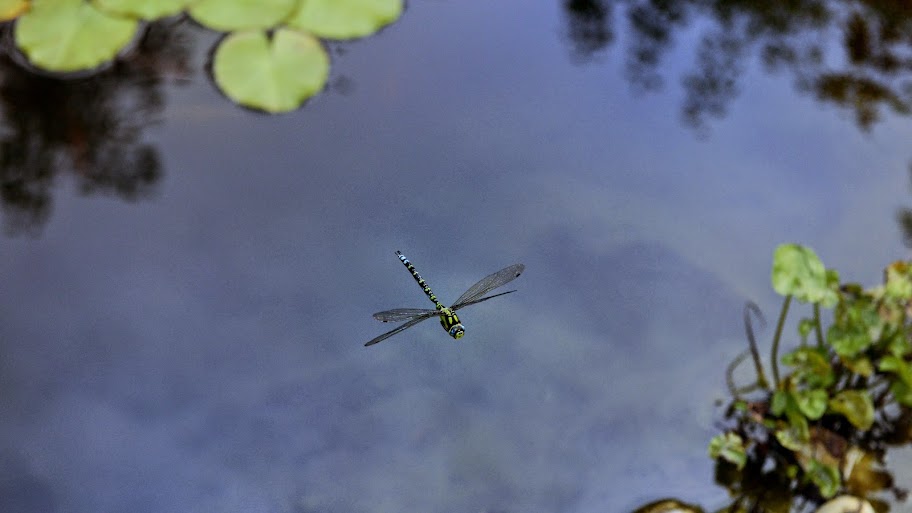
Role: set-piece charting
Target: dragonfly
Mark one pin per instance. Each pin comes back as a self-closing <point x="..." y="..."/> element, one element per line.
<point x="448" y="318"/>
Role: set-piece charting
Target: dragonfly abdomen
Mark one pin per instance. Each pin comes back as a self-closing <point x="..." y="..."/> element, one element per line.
<point x="423" y="284"/>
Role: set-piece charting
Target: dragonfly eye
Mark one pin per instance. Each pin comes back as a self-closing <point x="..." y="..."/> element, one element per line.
<point x="457" y="331"/>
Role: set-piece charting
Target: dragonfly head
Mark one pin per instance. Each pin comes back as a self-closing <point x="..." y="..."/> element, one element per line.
<point x="457" y="331"/>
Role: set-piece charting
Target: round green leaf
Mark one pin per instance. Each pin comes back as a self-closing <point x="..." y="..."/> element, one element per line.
<point x="143" y="9"/>
<point x="812" y="403"/>
<point x="811" y="366"/>
<point x="730" y="447"/>
<point x="71" y="35"/>
<point x="826" y="477"/>
<point x="345" y="19"/>
<point x="9" y="9"/>
<point x="227" y="15"/>
<point x="798" y="272"/>
<point x="855" y="405"/>
<point x="274" y="75"/>
<point x="899" y="281"/>
<point x="849" y="342"/>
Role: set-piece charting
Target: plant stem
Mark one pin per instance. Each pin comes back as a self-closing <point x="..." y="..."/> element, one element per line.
<point x="752" y="342"/>
<point x="817" y="328"/>
<point x="777" y="337"/>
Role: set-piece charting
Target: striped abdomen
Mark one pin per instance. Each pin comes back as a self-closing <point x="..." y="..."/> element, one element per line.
<point x="420" y="280"/>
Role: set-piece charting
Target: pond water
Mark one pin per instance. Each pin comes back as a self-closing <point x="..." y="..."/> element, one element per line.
<point x="187" y="294"/>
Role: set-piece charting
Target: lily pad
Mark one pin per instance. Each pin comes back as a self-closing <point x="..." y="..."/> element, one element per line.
<point x="345" y="19"/>
<point x="10" y="9"/>
<point x="143" y="9"/>
<point x="228" y="15"/>
<point x="71" y="35"/>
<point x="274" y="75"/>
<point x="798" y="272"/>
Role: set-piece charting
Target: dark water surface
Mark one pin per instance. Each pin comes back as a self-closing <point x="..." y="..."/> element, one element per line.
<point x="182" y="320"/>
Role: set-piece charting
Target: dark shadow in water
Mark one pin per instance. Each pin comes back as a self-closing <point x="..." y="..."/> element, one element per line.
<point x="92" y="126"/>
<point x="866" y="73"/>
<point x="589" y="27"/>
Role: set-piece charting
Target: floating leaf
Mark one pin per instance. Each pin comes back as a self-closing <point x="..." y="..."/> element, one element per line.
<point x="730" y="447"/>
<point x="273" y="75"/>
<point x="798" y="272"/>
<point x="71" y="35"/>
<point x="345" y="19"/>
<point x="227" y="15"/>
<point x="142" y="8"/>
<point x="9" y="9"/>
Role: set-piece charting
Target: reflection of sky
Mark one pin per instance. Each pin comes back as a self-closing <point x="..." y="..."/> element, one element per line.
<point x="202" y="351"/>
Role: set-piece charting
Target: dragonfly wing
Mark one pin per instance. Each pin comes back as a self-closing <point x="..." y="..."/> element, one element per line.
<point x="403" y="314"/>
<point x="489" y="283"/>
<point x="403" y="327"/>
<point x="463" y="305"/>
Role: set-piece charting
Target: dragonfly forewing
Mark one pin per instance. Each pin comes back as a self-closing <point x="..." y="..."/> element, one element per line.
<point x="403" y="314"/>
<point x="489" y="283"/>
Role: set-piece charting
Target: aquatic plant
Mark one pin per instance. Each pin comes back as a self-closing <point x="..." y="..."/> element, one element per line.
<point x="824" y="427"/>
<point x="271" y="58"/>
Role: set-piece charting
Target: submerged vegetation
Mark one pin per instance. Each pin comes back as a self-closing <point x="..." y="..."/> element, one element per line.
<point x="822" y="428"/>
<point x="271" y="59"/>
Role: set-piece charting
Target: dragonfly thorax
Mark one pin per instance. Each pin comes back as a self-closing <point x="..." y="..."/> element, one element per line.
<point x="451" y="324"/>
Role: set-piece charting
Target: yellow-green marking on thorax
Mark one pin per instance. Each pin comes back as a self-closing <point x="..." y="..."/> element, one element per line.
<point x="448" y="318"/>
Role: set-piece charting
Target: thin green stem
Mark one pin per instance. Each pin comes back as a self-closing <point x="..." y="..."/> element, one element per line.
<point x="817" y="328"/>
<point x="777" y="337"/>
<point x="752" y="342"/>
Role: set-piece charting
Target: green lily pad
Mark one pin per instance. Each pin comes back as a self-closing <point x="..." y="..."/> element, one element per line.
<point x="274" y="75"/>
<point x="345" y="19"/>
<point x="228" y="15"/>
<point x="71" y="35"/>
<point x="143" y="9"/>
<point x="10" y="9"/>
<point x="855" y="405"/>
<point x="798" y="272"/>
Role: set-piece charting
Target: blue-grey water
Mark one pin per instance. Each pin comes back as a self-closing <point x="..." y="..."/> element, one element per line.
<point x="199" y="346"/>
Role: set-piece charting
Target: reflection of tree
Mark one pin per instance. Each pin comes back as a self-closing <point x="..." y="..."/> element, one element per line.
<point x="589" y="26"/>
<point x="92" y="126"/>
<point x="868" y="75"/>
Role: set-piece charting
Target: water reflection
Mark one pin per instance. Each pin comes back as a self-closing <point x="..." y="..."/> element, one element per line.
<point x="91" y="126"/>
<point x="866" y="74"/>
<point x="589" y="27"/>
